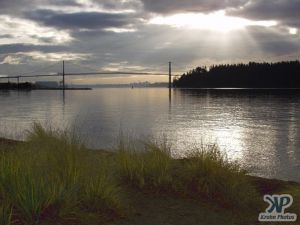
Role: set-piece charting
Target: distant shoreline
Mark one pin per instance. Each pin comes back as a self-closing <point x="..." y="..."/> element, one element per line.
<point x="71" y="88"/>
<point x="27" y="86"/>
<point x="232" y="88"/>
<point x="32" y="89"/>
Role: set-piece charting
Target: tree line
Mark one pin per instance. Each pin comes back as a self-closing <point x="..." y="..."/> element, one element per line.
<point x="12" y="86"/>
<point x="251" y="75"/>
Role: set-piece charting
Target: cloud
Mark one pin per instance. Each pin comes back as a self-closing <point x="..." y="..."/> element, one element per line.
<point x="25" y="53"/>
<point x="15" y="48"/>
<point x="20" y="30"/>
<point x="181" y="6"/>
<point x="98" y="34"/>
<point x="284" y="11"/>
<point x="10" y="60"/>
<point x="17" y="7"/>
<point x="55" y="57"/>
<point x="82" y="20"/>
<point x="2" y="36"/>
<point x="133" y="5"/>
<point x="273" y="42"/>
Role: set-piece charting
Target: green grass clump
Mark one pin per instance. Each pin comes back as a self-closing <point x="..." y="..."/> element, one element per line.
<point x="101" y="191"/>
<point x="203" y="173"/>
<point x="30" y="192"/>
<point x="6" y="212"/>
<point x="206" y="172"/>
<point x="147" y="168"/>
<point x="47" y="178"/>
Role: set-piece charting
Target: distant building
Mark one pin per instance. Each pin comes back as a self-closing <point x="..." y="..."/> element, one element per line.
<point x="46" y="84"/>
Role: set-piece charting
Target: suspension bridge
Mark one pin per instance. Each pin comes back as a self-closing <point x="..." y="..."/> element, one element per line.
<point x="63" y="74"/>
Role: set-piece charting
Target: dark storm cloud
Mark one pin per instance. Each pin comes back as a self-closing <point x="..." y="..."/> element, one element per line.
<point x="179" y="6"/>
<point x="117" y="4"/>
<point x="273" y="42"/>
<point x="15" y="48"/>
<point x="16" y="7"/>
<point x="87" y="20"/>
<point x="284" y="11"/>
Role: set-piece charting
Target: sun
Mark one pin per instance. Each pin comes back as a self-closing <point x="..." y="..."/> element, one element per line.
<point x="217" y="21"/>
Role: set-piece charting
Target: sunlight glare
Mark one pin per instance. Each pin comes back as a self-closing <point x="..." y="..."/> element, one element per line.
<point x="216" y="21"/>
<point x="293" y="31"/>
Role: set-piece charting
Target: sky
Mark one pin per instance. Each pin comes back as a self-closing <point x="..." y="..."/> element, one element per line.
<point x="143" y="35"/>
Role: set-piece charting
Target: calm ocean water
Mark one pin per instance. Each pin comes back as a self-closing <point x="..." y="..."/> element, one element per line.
<point x="259" y="129"/>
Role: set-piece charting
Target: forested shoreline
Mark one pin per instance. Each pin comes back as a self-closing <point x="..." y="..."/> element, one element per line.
<point x="251" y="75"/>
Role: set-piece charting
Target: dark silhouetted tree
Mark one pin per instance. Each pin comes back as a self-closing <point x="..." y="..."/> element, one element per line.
<point x="251" y="75"/>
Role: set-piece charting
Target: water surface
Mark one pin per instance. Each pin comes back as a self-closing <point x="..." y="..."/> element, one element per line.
<point x="259" y="128"/>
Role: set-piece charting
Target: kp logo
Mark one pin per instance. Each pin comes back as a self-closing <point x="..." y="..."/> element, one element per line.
<point x="277" y="206"/>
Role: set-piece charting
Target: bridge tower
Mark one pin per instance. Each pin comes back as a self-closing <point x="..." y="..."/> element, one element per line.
<point x="170" y="75"/>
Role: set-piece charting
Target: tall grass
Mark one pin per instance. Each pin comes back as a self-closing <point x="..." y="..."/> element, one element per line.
<point x="48" y="178"/>
<point x="6" y="212"/>
<point x="30" y="192"/>
<point x="147" y="168"/>
<point x="99" y="194"/>
<point x="204" y="173"/>
<point x="53" y="176"/>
